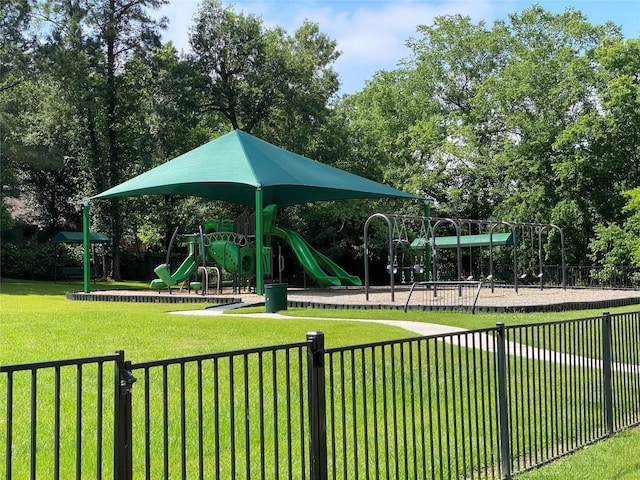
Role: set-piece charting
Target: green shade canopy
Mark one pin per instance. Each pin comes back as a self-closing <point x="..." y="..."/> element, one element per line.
<point x="77" y="237"/>
<point x="232" y="167"/>
<point x="483" y="240"/>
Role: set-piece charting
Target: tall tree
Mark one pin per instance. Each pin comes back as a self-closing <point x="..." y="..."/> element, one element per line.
<point x="16" y="48"/>
<point x="510" y="121"/>
<point x="255" y="76"/>
<point x="548" y="85"/>
<point x="17" y="42"/>
<point x="162" y="122"/>
<point x="422" y="120"/>
<point x="90" y="44"/>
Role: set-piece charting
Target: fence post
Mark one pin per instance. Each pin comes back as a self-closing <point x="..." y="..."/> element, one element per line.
<point x="606" y="372"/>
<point x="317" y="406"/>
<point x="122" y="438"/>
<point x="505" y="445"/>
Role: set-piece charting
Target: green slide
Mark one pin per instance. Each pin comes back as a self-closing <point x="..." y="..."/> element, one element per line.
<point x="167" y="279"/>
<point x="325" y="272"/>
<point x="334" y="269"/>
<point x="232" y="257"/>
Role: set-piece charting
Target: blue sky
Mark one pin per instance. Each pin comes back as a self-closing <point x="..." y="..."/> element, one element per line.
<point x="371" y="34"/>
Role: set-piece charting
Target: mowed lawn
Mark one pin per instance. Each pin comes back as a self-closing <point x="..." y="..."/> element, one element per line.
<point x="37" y="323"/>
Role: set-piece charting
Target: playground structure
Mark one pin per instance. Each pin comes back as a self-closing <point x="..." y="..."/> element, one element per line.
<point x="228" y="245"/>
<point x="415" y="238"/>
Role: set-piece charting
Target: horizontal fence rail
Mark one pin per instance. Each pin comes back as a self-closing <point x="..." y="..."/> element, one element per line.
<point x="480" y="404"/>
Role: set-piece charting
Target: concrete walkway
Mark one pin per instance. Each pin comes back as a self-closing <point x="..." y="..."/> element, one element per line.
<point x="474" y="340"/>
<point x="419" y="328"/>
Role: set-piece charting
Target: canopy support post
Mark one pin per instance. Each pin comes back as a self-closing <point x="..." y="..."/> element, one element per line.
<point x="259" y="243"/>
<point x="86" y="245"/>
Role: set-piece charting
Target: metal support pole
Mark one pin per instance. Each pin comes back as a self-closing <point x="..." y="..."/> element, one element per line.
<point x="541" y="230"/>
<point x="366" y="254"/>
<point x="606" y="372"/>
<point x="259" y="243"/>
<point x="86" y="244"/>
<point x="123" y="448"/>
<point x="317" y="406"/>
<point x="427" y="238"/>
<point x="505" y="441"/>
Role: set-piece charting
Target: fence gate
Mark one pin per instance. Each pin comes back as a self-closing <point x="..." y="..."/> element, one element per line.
<point x="65" y="417"/>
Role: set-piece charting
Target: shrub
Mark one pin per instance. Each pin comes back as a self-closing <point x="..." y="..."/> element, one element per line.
<point x="37" y="262"/>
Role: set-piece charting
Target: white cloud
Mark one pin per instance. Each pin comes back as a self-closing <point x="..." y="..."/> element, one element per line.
<point x="180" y="14"/>
<point x="372" y="36"/>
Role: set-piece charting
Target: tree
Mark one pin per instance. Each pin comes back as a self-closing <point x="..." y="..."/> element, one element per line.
<point x="279" y="87"/>
<point x="44" y="137"/>
<point x="523" y="121"/>
<point x="17" y="43"/>
<point x="15" y="49"/>
<point x="614" y="246"/>
<point x="546" y="87"/>
<point x="256" y="77"/>
<point x="162" y="122"/>
<point x="90" y="44"/>
<point x="422" y="121"/>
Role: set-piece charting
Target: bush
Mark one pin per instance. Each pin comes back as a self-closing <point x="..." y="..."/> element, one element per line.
<point x="37" y="262"/>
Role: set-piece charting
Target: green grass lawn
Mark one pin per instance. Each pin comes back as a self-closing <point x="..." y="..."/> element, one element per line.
<point x="616" y="458"/>
<point x="37" y="323"/>
<point x="456" y="319"/>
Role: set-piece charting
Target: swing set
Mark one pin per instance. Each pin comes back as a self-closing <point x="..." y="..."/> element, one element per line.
<point x="417" y="253"/>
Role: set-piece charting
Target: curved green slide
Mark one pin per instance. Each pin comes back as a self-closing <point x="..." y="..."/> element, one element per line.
<point x="167" y="279"/>
<point x="325" y="272"/>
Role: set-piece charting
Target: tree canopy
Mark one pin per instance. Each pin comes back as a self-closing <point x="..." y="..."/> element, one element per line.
<point x="529" y="120"/>
<point x="533" y="118"/>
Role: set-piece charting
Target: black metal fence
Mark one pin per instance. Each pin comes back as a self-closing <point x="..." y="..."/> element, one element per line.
<point x="486" y="403"/>
<point x="58" y="418"/>
<point x="602" y="277"/>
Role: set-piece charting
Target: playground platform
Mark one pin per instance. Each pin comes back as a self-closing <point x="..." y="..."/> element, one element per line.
<point x="503" y="299"/>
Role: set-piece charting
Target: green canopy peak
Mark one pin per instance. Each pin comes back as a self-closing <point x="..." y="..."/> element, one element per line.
<point x="232" y="167"/>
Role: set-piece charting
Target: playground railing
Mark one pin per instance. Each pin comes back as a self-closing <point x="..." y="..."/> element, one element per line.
<point x="447" y="295"/>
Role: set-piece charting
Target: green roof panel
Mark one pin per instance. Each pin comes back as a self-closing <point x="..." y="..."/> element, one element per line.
<point x="76" y="237"/>
<point x="232" y="167"/>
<point x="467" y="241"/>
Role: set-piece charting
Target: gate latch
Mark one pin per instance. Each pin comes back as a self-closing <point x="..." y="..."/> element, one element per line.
<point x="126" y="381"/>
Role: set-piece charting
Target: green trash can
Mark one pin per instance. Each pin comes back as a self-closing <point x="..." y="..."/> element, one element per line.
<point x="275" y="297"/>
